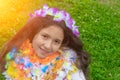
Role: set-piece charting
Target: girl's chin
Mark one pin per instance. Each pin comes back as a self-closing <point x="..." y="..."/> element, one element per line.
<point x="41" y="56"/>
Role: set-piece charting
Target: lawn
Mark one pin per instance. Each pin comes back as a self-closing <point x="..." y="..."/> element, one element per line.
<point x="99" y="22"/>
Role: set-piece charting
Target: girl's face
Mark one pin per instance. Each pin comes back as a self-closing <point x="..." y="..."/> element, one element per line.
<point x="48" y="41"/>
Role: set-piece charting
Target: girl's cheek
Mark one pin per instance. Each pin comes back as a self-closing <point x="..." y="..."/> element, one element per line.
<point x="57" y="48"/>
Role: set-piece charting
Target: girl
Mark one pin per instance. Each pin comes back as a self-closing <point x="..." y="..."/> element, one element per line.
<point x="46" y="48"/>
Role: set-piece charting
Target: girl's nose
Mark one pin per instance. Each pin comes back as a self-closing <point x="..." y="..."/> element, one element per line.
<point x="48" y="45"/>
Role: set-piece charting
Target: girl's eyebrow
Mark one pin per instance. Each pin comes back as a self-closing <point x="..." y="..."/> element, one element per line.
<point x="45" y="34"/>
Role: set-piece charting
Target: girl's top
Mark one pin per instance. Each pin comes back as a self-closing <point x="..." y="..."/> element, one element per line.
<point x="26" y="65"/>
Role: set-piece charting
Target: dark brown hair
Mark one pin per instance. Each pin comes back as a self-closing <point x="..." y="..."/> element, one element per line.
<point x="33" y="27"/>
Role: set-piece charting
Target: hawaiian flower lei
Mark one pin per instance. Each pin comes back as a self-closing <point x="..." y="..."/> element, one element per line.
<point x="29" y="66"/>
<point x="58" y="15"/>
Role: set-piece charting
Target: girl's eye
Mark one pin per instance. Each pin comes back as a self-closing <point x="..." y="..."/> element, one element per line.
<point x="45" y="36"/>
<point x="57" y="42"/>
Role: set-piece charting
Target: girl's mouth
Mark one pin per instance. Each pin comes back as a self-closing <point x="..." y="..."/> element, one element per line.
<point x="44" y="51"/>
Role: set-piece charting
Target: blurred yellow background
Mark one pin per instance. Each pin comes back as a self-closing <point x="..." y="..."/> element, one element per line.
<point x="14" y="14"/>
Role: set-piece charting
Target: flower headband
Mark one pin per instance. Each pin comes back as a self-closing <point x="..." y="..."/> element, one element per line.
<point x="58" y="15"/>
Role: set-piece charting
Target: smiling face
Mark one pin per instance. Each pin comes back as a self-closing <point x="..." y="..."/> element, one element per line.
<point x="48" y="41"/>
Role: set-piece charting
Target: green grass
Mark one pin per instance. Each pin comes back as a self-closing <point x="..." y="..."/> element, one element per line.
<point x="100" y="25"/>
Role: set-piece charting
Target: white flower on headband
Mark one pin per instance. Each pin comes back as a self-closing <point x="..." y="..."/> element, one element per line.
<point x="58" y="15"/>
